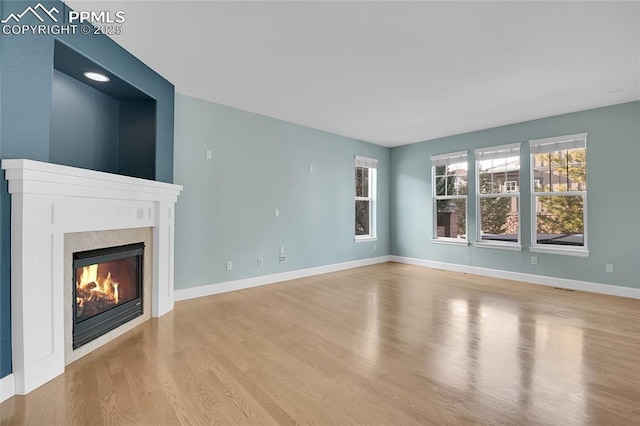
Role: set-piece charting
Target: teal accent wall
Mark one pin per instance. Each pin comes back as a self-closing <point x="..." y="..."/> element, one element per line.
<point x="613" y="174"/>
<point x="84" y="126"/>
<point x="226" y="211"/>
<point x="26" y="114"/>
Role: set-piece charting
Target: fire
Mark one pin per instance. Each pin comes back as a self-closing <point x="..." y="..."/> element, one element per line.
<point x="93" y="292"/>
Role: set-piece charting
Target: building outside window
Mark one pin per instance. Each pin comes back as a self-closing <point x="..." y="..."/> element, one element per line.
<point x="498" y="196"/>
<point x="365" y="201"/>
<point x="449" y="177"/>
<point x="559" y="194"/>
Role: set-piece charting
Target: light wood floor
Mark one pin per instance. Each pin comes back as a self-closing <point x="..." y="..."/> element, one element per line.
<point x="385" y="344"/>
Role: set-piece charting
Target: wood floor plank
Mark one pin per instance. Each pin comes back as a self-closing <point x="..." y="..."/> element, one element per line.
<point x="384" y="344"/>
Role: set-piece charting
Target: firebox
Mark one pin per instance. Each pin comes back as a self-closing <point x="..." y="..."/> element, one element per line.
<point x="107" y="290"/>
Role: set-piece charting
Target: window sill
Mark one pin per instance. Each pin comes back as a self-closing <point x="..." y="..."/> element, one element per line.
<point x="499" y="246"/>
<point x="364" y="239"/>
<point x="560" y="250"/>
<point x="450" y="241"/>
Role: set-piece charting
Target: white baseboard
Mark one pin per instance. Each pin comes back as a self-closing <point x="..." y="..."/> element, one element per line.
<point x="7" y="387"/>
<point x="223" y="287"/>
<point x="612" y="290"/>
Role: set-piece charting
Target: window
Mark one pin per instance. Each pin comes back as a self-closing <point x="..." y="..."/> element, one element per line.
<point x="449" y="177"/>
<point x="365" y="206"/>
<point x="559" y="194"/>
<point x="497" y="178"/>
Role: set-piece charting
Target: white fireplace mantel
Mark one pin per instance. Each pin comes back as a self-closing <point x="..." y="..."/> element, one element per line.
<point x="48" y="201"/>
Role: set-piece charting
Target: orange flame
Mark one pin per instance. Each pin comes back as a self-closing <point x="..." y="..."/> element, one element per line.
<point x="97" y="288"/>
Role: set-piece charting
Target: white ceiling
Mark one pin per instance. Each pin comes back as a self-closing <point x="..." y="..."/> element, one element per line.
<point x="390" y="73"/>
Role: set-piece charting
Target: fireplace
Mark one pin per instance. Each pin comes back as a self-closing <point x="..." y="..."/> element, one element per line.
<point x="52" y="205"/>
<point x="107" y="290"/>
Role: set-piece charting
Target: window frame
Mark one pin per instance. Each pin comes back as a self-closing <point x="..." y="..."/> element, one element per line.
<point x="435" y="198"/>
<point x="371" y="164"/>
<point x="557" y="143"/>
<point x="498" y="152"/>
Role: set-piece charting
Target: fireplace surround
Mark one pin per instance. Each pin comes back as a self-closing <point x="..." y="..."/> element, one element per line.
<point x="50" y="202"/>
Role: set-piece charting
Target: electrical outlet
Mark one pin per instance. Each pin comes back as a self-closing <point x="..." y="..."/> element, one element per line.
<point x="609" y="267"/>
<point x="281" y="249"/>
<point x="310" y="168"/>
<point x="534" y="260"/>
<point x="283" y="258"/>
<point x="276" y="212"/>
<point x="260" y="261"/>
<point x="208" y="154"/>
<point x="229" y="265"/>
<point x="375" y="247"/>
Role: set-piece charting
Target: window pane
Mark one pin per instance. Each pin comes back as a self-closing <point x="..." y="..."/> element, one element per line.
<point x="441" y="186"/>
<point x="542" y="171"/>
<point x="577" y="165"/>
<point x="451" y="185"/>
<point x="560" y="220"/>
<point x="499" y="219"/>
<point x="362" y="217"/>
<point x="489" y="184"/>
<point x="460" y="184"/>
<point x="563" y="170"/>
<point x="495" y="173"/>
<point x="451" y="218"/>
<point x="362" y="182"/>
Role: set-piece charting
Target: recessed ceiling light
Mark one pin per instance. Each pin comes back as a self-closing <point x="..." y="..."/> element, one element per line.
<point x="96" y="77"/>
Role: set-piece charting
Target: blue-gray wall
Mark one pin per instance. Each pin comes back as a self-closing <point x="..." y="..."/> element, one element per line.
<point x="613" y="158"/>
<point x="26" y="88"/>
<point x="84" y="122"/>
<point x="137" y="138"/>
<point x="259" y="164"/>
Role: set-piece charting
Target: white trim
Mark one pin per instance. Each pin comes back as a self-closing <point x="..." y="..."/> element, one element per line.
<point x="500" y="195"/>
<point x="451" y="158"/>
<point x="450" y="241"/>
<point x="497" y="152"/>
<point x="498" y="245"/>
<point x="613" y="290"/>
<point x="451" y="197"/>
<point x="367" y="162"/>
<point x="7" y="387"/>
<point x="559" y="193"/>
<point x="577" y="140"/>
<point x="224" y="287"/>
<point x="364" y="238"/>
<point x="566" y="250"/>
<point x="449" y="155"/>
